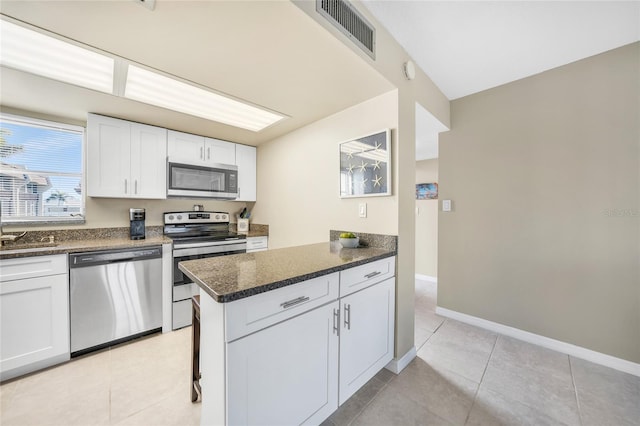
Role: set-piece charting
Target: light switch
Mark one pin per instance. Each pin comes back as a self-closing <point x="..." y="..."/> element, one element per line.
<point x="362" y="209"/>
<point x="446" y="205"/>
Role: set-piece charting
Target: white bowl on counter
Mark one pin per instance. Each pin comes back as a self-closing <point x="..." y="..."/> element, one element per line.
<point x="350" y="242"/>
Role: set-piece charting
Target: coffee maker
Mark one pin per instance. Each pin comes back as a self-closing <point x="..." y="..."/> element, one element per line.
<point x="136" y="217"/>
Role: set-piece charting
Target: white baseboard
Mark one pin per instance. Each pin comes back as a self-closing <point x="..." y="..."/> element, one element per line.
<point x="396" y="365"/>
<point x="556" y="345"/>
<point x="426" y="278"/>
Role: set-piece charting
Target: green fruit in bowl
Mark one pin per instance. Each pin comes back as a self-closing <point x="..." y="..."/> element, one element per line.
<point x="348" y="235"/>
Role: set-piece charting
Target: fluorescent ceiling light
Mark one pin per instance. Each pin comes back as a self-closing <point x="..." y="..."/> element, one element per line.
<point x="166" y="92"/>
<point x="36" y="53"/>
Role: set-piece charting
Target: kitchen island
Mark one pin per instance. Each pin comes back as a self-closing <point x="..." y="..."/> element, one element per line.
<point x="288" y="335"/>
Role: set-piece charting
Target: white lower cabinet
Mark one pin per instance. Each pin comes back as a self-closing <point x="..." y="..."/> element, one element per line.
<point x="286" y="374"/>
<point x="255" y="244"/>
<point x="366" y="335"/>
<point x="292" y="355"/>
<point x="34" y="314"/>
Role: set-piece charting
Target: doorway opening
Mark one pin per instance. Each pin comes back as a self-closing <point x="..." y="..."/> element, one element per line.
<point x="426" y="225"/>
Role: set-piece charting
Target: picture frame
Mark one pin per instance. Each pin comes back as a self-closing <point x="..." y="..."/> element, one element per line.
<point x="427" y="191"/>
<point x="365" y="166"/>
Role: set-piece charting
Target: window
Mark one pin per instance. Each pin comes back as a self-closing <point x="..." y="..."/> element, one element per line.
<point x="41" y="171"/>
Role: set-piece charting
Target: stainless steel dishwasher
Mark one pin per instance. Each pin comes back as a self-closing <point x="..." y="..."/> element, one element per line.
<point x="115" y="295"/>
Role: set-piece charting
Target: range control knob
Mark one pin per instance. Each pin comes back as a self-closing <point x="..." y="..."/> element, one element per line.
<point x="217" y="216"/>
<point x="225" y="217"/>
<point x="170" y="217"/>
<point x="179" y="217"/>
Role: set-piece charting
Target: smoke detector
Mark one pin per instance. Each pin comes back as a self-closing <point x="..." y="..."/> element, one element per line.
<point x="409" y="70"/>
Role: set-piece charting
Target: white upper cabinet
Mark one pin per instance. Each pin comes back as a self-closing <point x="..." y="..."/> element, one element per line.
<point x="246" y="162"/>
<point x="125" y="160"/>
<point x="193" y="148"/>
<point x="219" y="152"/>
<point x="185" y="146"/>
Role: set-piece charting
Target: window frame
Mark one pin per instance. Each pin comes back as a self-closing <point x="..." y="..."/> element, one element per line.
<point x="51" y="220"/>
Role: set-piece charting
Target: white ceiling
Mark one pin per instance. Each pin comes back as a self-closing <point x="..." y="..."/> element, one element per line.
<point x="269" y="53"/>
<point x="272" y="54"/>
<point x="469" y="46"/>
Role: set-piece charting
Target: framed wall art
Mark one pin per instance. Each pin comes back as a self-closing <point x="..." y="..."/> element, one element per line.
<point x="427" y="191"/>
<point x="365" y="166"/>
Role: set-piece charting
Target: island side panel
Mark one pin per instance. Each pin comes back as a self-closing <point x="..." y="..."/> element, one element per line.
<point x="212" y="361"/>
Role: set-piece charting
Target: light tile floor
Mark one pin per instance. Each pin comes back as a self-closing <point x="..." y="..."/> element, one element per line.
<point x="463" y="375"/>
<point x="145" y="382"/>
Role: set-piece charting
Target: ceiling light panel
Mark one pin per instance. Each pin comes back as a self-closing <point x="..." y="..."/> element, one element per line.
<point x="36" y="53"/>
<point x="166" y="92"/>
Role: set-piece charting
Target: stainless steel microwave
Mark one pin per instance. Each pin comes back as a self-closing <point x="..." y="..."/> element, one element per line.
<point x="202" y="180"/>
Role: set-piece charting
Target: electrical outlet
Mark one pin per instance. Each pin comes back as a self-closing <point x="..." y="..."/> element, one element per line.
<point x="446" y="205"/>
<point x="362" y="209"/>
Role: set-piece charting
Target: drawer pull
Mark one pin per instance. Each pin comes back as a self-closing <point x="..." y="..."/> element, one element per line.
<point x="372" y="274"/>
<point x="293" y="302"/>
<point x="347" y="316"/>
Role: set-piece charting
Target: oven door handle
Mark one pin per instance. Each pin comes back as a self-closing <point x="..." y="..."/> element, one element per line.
<point x="218" y="250"/>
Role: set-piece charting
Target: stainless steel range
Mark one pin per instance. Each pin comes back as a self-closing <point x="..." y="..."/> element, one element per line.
<point x="196" y="235"/>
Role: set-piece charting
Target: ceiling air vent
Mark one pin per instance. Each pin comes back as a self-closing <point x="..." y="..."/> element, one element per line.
<point x="350" y="22"/>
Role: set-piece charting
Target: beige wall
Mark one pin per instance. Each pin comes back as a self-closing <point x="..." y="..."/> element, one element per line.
<point x="110" y="212"/>
<point x="544" y="232"/>
<point x="388" y="62"/>
<point x="427" y="222"/>
<point x="299" y="178"/>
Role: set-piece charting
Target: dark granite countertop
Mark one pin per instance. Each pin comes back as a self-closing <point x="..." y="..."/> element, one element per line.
<point x="92" y="239"/>
<point x="229" y="278"/>
<point x="73" y="246"/>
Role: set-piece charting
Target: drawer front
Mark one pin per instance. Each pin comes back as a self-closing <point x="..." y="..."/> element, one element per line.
<point x="31" y="267"/>
<point x="254" y="313"/>
<point x="354" y="279"/>
<point x="182" y="314"/>
<point x="256" y="243"/>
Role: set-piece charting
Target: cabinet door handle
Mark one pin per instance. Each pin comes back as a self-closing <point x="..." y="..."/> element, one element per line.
<point x="136" y="186"/>
<point x="372" y="274"/>
<point x="202" y="153"/>
<point x="125" y="186"/>
<point x="209" y="153"/>
<point x="336" y="321"/>
<point x="347" y="316"/>
<point x="293" y="302"/>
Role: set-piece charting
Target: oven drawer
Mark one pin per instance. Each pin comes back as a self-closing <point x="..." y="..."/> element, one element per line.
<point x="186" y="291"/>
<point x="182" y="314"/>
<point x="254" y="313"/>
